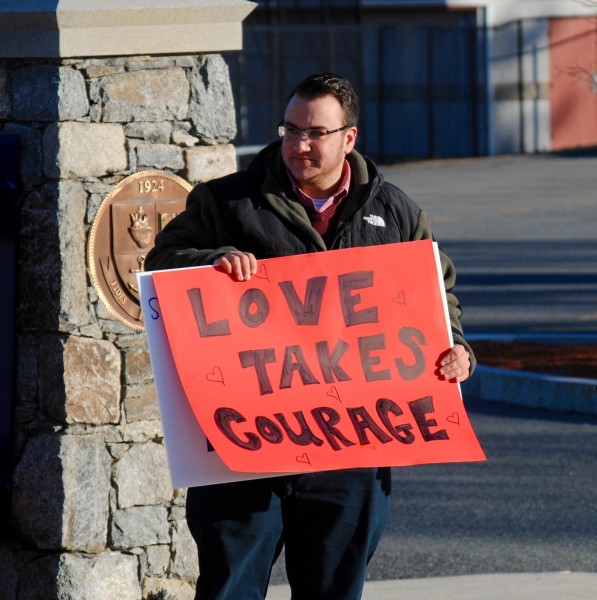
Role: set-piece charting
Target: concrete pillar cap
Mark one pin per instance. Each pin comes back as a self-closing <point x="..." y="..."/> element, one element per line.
<point x="86" y="28"/>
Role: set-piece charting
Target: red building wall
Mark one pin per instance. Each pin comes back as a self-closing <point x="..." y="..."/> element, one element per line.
<point x="573" y="87"/>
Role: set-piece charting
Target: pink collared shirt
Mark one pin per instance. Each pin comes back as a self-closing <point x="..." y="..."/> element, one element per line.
<point x="321" y="204"/>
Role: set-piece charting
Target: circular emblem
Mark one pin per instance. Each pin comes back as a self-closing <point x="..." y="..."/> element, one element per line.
<point x="123" y="232"/>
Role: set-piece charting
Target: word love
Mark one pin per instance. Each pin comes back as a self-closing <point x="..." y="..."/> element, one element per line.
<point x="254" y="306"/>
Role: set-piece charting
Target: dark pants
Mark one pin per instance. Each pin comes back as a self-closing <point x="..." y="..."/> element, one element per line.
<point x="330" y="524"/>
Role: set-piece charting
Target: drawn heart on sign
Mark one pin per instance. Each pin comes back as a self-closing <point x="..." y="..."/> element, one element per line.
<point x="215" y="376"/>
<point x="453" y="418"/>
<point x="399" y="299"/>
<point x="262" y="273"/>
<point x="333" y="393"/>
<point x="303" y="458"/>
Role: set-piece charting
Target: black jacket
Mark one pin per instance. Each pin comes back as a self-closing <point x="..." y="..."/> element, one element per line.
<point x="257" y="211"/>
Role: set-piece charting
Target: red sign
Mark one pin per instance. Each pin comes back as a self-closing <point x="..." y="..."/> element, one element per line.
<point x="320" y="361"/>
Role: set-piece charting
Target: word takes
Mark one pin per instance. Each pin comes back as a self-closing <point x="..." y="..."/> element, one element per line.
<point x="294" y="361"/>
<point x="333" y="426"/>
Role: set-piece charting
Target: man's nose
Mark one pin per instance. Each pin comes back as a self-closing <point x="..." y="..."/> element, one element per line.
<point x="302" y="138"/>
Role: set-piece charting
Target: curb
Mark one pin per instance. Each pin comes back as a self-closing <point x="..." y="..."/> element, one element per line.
<point x="493" y="586"/>
<point x="534" y="390"/>
<point x="530" y="389"/>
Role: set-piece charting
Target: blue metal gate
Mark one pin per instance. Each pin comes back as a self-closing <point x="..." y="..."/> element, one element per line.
<point x="422" y="88"/>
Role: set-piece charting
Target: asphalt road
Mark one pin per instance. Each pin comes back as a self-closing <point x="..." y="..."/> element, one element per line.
<point x="522" y="231"/>
<point x="532" y="507"/>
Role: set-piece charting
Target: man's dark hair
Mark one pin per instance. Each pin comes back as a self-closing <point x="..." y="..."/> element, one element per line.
<point x="328" y="84"/>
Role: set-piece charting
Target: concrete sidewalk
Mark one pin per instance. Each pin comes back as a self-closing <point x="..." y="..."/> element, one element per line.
<point x="514" y="586"/>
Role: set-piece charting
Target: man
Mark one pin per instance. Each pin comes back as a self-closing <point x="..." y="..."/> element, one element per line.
<point x="309" y="192"/>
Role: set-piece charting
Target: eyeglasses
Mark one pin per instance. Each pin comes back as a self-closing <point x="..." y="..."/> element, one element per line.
<point x="290" y="132"/>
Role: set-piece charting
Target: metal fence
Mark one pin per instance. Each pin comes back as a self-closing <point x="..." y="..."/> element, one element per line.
<point x="422" y="88"/>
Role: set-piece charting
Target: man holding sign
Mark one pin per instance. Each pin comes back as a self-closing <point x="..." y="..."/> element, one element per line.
<point x="309" y="192"/>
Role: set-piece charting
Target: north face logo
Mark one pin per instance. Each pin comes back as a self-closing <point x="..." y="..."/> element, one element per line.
<point x="375" y="220"/>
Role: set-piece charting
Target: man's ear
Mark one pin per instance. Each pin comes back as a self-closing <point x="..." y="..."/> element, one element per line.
<point x="350" y="139"/>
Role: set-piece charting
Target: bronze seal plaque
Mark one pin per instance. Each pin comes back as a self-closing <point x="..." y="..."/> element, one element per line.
<point x="123" y="232"/>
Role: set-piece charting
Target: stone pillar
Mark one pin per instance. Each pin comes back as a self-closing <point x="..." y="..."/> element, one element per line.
<point x="93" y="513"/>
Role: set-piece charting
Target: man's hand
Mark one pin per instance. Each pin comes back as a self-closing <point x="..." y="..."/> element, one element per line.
<point x="239" y="265"/>
<point x="455" y="364"/>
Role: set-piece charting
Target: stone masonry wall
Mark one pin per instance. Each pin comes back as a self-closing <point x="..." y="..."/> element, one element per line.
<point x="94" y="514"/>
